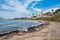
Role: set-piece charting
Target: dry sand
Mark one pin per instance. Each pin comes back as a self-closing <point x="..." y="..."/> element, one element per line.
<point x="46" y="32"/>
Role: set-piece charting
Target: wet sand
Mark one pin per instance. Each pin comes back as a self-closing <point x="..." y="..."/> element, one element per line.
<point x="48" y="31"/>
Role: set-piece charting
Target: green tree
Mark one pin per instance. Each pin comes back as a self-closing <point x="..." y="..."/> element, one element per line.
<point x="57" y="11"/>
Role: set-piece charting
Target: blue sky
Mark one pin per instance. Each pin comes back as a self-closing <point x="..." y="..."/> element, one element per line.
<point x="22" y="8"/>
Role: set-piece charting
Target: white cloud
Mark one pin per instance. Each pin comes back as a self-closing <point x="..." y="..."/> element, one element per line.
<point x="17" y="7"/>
<point x="29" y="1"/>
<point x="36" y="2"/>
<point x="6" y="7"/>
<point x="38" y="10"/>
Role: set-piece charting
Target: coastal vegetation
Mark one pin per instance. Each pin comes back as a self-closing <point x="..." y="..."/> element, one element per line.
<point x="49" y="16"/>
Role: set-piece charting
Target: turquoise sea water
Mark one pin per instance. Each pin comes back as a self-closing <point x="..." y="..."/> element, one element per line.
<point x="11" y="25"/>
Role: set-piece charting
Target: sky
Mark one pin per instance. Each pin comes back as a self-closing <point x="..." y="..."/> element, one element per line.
<point x="24" y="8"/>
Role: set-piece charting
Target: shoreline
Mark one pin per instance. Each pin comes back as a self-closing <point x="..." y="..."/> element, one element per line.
<point x="30" y="29"/>
<point x="48" y="31"/>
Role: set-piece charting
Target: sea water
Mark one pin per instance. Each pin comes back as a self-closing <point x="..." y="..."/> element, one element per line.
<point x="11" y="25"/>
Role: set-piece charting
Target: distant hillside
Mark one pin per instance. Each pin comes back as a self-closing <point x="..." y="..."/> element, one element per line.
<point x="1" y="18"/>
<point x="23" y="18"/>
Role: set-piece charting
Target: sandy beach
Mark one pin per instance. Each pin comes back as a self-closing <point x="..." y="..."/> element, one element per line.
<point x="49" y="31"/>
